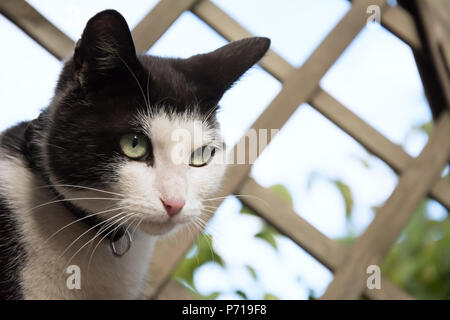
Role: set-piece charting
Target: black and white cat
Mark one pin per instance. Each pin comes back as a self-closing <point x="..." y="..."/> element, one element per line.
<point x="93" y="182"/>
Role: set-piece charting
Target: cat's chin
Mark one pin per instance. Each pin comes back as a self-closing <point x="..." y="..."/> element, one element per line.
<point x="158" y="228"/>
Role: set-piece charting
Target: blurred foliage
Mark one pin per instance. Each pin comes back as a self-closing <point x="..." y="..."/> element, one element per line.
<point x="203" y="253"/>
<point x="419" y="262"/>
<point x="347" y="195"/>
<point x="269" y="296"/>
<point x="426" y="127"/>
<point x="268" y="234"/>
<point x="284" y="194"/>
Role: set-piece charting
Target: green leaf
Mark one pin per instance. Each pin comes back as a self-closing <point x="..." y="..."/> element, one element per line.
<point x="252" y="272"/>
<point x="268" y="234"/>
<point x="346" y="193"/>
<point x="426" y="127"/>
<point x="204" y="253"/>
<point x="364" y="162"/>
<point x="282" y="192"/>
<point x="269" y="296"/>
<point x="212" y="296"/>
<point x="311" y="295"/>
<point x="242" y="294"/>
<point x="246" y="210"/>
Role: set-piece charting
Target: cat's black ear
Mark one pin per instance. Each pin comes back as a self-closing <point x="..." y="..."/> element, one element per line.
<point x="215" y="72"/>
<point x="106" y="44"/>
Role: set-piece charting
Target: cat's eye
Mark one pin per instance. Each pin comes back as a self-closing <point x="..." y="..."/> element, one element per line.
<point x="202" y="156"/>
<point x="134" y="146"/>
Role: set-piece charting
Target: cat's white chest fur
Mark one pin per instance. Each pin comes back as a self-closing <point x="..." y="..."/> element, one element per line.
<point x="44" y="274"/>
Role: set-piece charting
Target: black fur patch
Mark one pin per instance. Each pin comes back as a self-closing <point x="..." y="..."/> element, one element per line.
<point x="12" y="140"/>
<point x="12" y="255"/>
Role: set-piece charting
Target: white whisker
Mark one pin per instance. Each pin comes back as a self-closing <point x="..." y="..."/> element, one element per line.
<point x="78" y="220"/>
<point x="68" y="200"/>
<point x="92" y="228"/>
<point x="130" y="216"/>
<point x="98" y="234"/>
<point x="79" y="187"/>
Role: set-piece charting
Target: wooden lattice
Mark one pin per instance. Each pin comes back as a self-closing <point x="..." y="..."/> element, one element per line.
<point x="418" y="177"/>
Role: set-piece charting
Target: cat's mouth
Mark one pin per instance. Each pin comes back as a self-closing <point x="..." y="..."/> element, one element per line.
<point x="158" y="222"/>
<point x="157" y="227"/>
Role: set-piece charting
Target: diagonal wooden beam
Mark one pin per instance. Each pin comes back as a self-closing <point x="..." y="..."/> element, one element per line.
<point x="375" y="142"/>
<point x="400" y="22"/>
<point x="299" y="86"/>
<point x="369" y="249"/>
<point x="175" y="291"/>
<point x="157" y="21"/>
<point x="282" y="216"/>
<point x="436" y="36"/>
<point x="38" y="28"/>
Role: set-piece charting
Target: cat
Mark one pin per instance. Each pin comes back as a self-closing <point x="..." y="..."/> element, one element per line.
<point x="89" y="186"/>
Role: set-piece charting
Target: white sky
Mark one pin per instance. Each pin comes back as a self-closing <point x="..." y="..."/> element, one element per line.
<point x="376" y="78"/>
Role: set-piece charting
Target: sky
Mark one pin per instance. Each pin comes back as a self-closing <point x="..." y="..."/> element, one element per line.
<point x="376" y="78"/>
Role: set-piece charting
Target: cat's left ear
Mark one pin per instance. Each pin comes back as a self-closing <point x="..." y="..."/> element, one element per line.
<point x="215" y="72"/>
<point x="105" y="45"/>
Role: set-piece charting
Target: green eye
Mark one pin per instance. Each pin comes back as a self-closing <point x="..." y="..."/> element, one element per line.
<point x="134" y="146"/>
<point x="201" y="156"/>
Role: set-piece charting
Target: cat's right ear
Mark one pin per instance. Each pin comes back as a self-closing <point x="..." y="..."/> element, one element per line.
<point x="106" y="45"/>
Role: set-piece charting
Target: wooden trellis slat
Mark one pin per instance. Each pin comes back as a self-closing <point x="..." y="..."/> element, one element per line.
<point x="435" y="37"/>
<point x="38" y="27"/>
<point x="282" y="216"/>
<point x="401" y="23"/>
<point x="391" y="218"/>
<point x="175" y="291"/>
<point x="157" y="21"/>
<point x="374" y="141"/>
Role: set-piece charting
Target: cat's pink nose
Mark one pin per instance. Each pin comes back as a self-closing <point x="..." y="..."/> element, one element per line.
<point x="173" y="206"/>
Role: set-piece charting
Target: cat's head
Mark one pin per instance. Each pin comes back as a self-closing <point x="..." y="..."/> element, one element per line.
<point x="142" y="129"/>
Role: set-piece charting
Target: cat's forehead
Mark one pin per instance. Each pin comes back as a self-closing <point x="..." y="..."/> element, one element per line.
<point x="166" y="85"/>
<point x="168" y="127"/>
